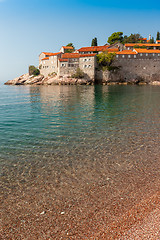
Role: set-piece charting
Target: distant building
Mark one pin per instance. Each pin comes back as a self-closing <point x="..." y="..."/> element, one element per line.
<point x="63" y="62"/>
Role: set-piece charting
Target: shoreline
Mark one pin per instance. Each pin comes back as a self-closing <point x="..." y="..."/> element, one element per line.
<point x="25" y="79"/>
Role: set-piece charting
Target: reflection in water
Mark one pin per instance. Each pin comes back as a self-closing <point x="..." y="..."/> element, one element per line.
<point x="91" y="152"/>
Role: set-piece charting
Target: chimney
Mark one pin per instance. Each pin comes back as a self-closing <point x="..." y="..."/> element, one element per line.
<point x="149" y="36"/>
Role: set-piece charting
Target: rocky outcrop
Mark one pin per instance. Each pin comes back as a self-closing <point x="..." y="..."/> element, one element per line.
<point x="50" y="80"/>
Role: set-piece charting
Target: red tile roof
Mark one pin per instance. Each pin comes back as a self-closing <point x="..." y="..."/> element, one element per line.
<point x="141" y="50"/>
<point x="46" y="58"/>
<point x="112" y="50"/>
<point x="50" y="54"/>
<point x="158" y="41"/>
<point x="93" y="49"/>
<point x="67" y="47"/>
<point x="142" y="44"/>
<point x="63" y="60"/>
<point x="144" y="39"/>
<point x="70" y="55"/>
<point x="88" y="55"/>
<point x="77" y="55"/>
<point x="126" y="52"/>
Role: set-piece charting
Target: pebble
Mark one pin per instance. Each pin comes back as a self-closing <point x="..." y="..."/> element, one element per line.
<point x="42" y="212"/>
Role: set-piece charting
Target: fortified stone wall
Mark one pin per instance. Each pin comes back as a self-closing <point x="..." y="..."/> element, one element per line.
<point x="132" y="70"/>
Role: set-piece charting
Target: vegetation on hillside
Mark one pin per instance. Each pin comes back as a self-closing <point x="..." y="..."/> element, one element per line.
<point x="132" y="38"/>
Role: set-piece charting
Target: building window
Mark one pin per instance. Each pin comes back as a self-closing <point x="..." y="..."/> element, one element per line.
<point x="85" y="60"/>
<point x="116" y="56"/>
<point x="153" y="54"/>
<point x="122" y="56"/>
<point x="129" y="56"/>
<point x="89" y="66"/>
<point x="135" y="56"/>
<point x="52" y="62"/>
<point x="141" y="54"/>
<point x="146" y="54"/>
<point x="85" y="66"/>
<point x="63" y="65"/>
<point x="158" y="55"/>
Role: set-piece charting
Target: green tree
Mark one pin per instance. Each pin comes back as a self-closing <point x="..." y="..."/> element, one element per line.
<point x="94" y="42"/>
<point x="133" y="38"/>
<point x="115" y="37"/>
<point x="105" y="59"/>
<point x="158" y="36"/>
<point x="70" y="50"/>
<point x="33" y="70"/>
<point x="151" y="40"/>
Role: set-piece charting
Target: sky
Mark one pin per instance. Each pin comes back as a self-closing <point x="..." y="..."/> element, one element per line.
<point x="28" y="27"/>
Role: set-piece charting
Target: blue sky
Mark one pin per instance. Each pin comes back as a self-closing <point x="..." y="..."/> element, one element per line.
<point x="29" y="27"/>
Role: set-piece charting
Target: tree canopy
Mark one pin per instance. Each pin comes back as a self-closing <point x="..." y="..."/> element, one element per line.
<point x="70" y="50"/>
<point x="115" y="37"/>
<point x="133" y="38"/>
<point x="158" y="36"/>
<point x="33" y="71"/>
<point x="105" y="58"/>
<point x="94" y="42"/>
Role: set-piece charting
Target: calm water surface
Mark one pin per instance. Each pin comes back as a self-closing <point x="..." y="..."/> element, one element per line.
<point x="78" y="135"/>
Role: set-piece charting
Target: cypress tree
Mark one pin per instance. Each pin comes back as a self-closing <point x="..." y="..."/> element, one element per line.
<point x="158" y="36"/>
<point x="94" y="42"/>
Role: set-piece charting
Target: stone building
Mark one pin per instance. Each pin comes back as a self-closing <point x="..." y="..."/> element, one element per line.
<point x="134" y="62"/>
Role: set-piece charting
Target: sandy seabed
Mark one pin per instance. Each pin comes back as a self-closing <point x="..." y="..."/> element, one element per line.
<point x="90" y="200"/>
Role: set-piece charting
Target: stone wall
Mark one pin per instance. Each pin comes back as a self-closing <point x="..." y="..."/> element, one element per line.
<point x="49" y="66"/>
<point x="131" y="70"/>
<point x="68" y="68"/>
<point x="87" y="65"/>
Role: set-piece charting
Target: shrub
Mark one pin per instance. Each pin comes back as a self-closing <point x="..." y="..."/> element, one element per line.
<point x="33" y="71"/>
<point x="79" y="74"/>
<point x="53" y="74"/>
<point x="105" y="59"/>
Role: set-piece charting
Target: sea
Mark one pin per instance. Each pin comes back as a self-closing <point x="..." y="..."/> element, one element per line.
<point x="61" y="143"/>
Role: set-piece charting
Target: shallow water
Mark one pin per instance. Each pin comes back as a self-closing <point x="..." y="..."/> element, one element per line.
<point x="69" y="140"/>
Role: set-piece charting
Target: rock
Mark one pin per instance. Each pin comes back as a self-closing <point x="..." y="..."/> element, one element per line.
<point x="155" y="83"/>
<point x="50" y="80"/>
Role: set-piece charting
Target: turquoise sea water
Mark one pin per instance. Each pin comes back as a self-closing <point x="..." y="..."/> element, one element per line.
<point x="47" y="120"/>
<point x="79" y="136"/>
